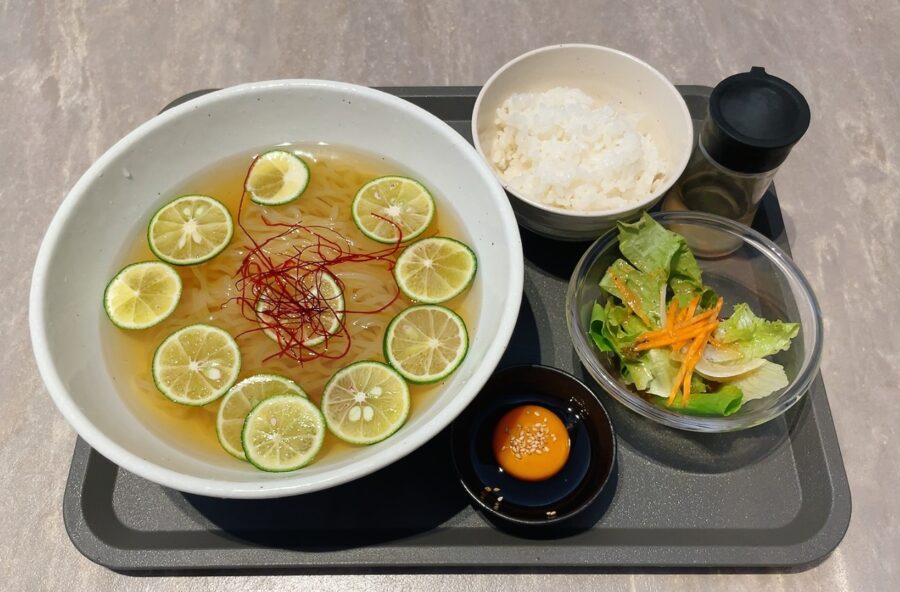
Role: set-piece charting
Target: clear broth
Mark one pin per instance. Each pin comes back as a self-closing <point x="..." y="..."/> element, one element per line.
<point x="129" y="353"/>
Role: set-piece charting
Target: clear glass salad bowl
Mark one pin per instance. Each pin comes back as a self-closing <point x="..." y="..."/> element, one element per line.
<point x="741" y="265"/>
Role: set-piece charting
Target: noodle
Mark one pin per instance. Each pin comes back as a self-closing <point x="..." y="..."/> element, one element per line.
<point x="210" y="292"/>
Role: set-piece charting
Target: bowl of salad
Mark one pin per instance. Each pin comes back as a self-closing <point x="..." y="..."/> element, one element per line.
<point x="693" y="341"/>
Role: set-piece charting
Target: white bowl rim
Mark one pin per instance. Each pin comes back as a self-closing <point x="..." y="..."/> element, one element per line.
<point x="292" y="483"/>
<point x="627" y="209"/>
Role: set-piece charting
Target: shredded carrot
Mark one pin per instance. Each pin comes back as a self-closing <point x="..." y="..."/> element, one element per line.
<point x="683" y="379"/>
<point x="712" y="313"/>
<point x="683" y="327"/>
<point x="665" y="332"/>
<point x="630" y="299"/>
<point x="692" y="324"/>
<point x="670" y="314"/>
<point x="682" y="371"/>
<point x="699" y="318"/>
<point x="676" y="384"/>
<point x="689" y="365"/>
<point x="692" y="363"/>
<point x="680" y="345"/>
<point x="654" y="334"/>
<point x="686" y="387"/>
<point x="680" y="323"/>
<point x="692" y="307"/>
<point x="677" y="336"/>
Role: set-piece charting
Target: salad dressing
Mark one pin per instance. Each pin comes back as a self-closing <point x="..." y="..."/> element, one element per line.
<point x="689" y="360"/>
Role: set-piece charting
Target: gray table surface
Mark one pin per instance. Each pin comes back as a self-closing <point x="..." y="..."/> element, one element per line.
<point x="75" y="76"/>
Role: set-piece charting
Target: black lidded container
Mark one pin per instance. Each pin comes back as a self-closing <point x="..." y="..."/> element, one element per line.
<point x="753" y="121"/>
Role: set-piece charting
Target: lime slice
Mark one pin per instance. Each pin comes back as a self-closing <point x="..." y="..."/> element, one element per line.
<point x="325" y="295"/>
<point x="426" y="343"/>
<point x="277" y="177"/>
<point x="387" y="202"/>
<point x="435" y="270"/>
<point x="283" y="433"/>
<point x="243" y="397"/>
<point x="365" y="402"/>
<point x="189" y="230"/>
<point x="196" y="365"/>
<point x="142" y="295"/>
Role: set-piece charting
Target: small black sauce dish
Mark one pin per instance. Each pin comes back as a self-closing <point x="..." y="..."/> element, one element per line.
<point x="514" y="504"/>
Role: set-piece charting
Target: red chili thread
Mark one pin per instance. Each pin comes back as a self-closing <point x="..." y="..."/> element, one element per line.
<point x="282" y="295"/>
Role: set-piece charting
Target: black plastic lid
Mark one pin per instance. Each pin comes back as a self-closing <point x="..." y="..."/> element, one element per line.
<point x="754" y="121"/>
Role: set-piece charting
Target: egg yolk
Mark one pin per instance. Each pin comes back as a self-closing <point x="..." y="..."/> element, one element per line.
<point x="531" y="443"/>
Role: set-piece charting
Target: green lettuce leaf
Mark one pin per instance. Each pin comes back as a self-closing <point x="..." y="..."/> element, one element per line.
<point x="650" y="247"/>
<point x="621" y="328"/>
<point x="615" y="329"/>
<point x="636" y="373"/>
<point x="655" y="372"/>
<point x="698" y="385"/>
<point x="685" y="290"/>
<point x="654" y="250"/>
<point x="684" y="266"/>
<point x="646" y="287"/>
<point x="595" y="329"/>
<point x="726" y="401"/>
<point x="755" y="337"/>
<point x="661" y="370"/>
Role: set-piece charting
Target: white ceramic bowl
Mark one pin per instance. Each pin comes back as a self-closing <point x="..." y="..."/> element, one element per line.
<point x="618" y="78"/>
<point x="119" y="193"/>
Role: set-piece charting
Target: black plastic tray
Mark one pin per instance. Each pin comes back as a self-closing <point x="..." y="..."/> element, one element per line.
<point x="773" y="496"/>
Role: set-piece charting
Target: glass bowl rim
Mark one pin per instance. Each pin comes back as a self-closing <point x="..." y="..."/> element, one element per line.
<point x="584" y="347"/>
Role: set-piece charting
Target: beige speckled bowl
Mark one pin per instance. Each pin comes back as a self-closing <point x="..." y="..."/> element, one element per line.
<point x="621" y="79"/>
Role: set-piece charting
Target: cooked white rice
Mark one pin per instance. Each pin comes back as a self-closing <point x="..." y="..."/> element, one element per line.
<point x="564" y="148"/>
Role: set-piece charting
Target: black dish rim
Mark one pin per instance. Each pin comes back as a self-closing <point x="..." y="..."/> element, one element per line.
<point x="457" y="440"/>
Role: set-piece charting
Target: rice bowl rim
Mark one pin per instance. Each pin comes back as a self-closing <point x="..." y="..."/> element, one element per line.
<point x="677" y="168"/>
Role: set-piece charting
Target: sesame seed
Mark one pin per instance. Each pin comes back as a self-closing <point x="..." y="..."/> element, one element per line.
<point x="551" y="513"/>
<point x="530" y="440"/>
<point x="496" y="489"/>
<point x="499" y="498"/>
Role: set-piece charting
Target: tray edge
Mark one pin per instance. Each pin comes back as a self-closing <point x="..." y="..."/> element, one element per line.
<point x="826" y="539"/>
